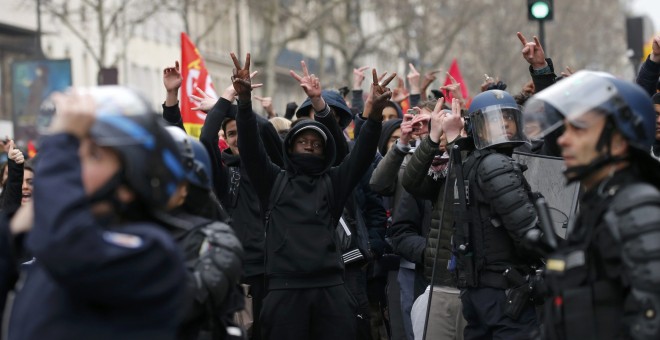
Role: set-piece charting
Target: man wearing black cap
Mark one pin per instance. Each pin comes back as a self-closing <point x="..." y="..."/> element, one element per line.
<point x="302" y="203"/>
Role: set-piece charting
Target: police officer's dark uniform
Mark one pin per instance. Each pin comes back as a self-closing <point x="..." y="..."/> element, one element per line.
<point x="604" y="280"/>
<point x="212" y="251"/>
<point x="493" y="214"/>
<point x="119" y="276"/>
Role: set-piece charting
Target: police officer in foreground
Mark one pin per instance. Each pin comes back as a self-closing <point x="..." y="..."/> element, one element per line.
<point x="493" y="215"/>
<point x="604" y="279"/>
<point x="104" y="266"/>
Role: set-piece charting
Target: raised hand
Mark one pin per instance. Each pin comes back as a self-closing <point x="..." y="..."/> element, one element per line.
<point x="205" y="102"/>
<point x="15" y="154"/>
<point x="241" y="78"/>
<point x="413" y="79"/>
<point x="309" y="82"/>
<point x="75" y="113"/>
<point x="421" y="123"/>
<point x="533" y="52"/>
<point x="172" y="77"/>
<point x="437" y="116"/>
<point x="452" y="123"/>
<point x="230" y="93"/>
<point x="407" y="128"/>
<point x="489" y="80"/>
<point x="399" y="94"/>
<point x="267" y="104"/>
<point x="567" y="72"/>
<point x="358" y="77"/>
<point x="454" y="88"/>
<point x="379" y="94"/>
<point x="655" y="50"/>
<point x="429" y="78"/>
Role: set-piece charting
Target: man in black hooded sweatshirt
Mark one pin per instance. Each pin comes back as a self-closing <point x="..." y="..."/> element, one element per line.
<point x="302" y="203"/>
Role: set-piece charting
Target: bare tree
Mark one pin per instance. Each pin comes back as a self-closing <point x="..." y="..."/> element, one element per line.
<point x="349" y="37"/>
<point x="94" y="22"/>
<point x="283" y="22"/>
<point x="199" y="17"/>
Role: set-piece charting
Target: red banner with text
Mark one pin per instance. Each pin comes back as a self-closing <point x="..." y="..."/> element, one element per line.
<point x="194" y="75"/>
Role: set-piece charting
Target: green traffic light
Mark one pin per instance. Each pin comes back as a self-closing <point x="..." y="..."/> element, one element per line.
<point x="540" y="10"/>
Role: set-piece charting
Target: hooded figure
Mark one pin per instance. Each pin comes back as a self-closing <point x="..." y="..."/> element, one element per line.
<point x="335" y="101"/>
<point x="302" y="203"/>
<point x="389" y="127"/>
<point x="234" y="189"/>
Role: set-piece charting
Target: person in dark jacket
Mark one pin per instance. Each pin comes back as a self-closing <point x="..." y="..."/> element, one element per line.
<point x="649" y="74"/>
<point x="491" y="226"/>
<point x="104" y="267"/>
<point x="103" y="261"/>
<point x="602" y="279"/>
<point x="12" y="193"/>
<point x="237" y="192"/>
<point x="303" y="202"/>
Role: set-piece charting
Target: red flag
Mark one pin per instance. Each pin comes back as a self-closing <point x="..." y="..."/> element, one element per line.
<point x="455" y="72"/>
<point x="31" y="149"/>
<point x="194" y="74"/>
<point x="405" y="105"/>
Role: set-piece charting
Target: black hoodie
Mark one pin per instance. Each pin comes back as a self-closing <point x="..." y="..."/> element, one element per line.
<point x="243" y="204"/>
<point x="301" y="249"/>
<point x="388" y="128"/>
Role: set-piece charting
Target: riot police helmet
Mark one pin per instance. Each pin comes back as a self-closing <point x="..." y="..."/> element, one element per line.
<point x="126" y="123"/>
<point x="495" y="120"/>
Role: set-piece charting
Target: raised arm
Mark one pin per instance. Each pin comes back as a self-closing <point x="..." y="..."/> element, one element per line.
<point x="346" y="176"/>
<point x="322" y="112"/>
<point x="172" y="80"/>
<point x="650" y="71"/>
<point x="254" y="158"/>
<point x="11" y="199"/>
<point x="209" y="137"/>
<point x="356" y="93"/>
<point x="413" y="84"/>
<point x="541" y="69"/>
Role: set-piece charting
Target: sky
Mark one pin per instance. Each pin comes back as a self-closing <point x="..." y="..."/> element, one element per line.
<point x="650" y="8"/>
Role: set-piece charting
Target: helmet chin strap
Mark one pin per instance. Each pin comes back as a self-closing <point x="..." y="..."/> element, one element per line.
<point x="580" y="172"/>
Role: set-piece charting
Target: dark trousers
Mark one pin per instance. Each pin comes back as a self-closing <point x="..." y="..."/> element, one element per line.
<point x="356" y="283"/>
<point x="309" y="314"/>
<point x="257" y="285"/>
<point x="483" y="309"/>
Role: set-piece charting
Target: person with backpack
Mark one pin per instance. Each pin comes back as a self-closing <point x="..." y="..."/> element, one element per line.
<point x="302" y="204"/>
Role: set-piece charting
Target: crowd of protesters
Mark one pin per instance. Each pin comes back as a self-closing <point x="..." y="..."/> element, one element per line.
<point x="423" y="225"/>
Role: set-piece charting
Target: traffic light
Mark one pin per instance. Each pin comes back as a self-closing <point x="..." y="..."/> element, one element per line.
<point x="539" y="10"/>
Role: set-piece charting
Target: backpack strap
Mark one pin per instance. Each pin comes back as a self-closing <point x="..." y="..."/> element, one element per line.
<point x="278" y="188"/>
<point x="327" y="183"/>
